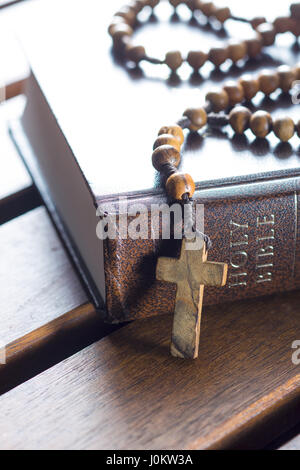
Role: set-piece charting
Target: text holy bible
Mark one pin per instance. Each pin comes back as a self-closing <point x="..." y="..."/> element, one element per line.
<point x="87" y="145"/>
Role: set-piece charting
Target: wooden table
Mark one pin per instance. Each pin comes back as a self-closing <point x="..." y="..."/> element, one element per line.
<point x="71" y="382"/>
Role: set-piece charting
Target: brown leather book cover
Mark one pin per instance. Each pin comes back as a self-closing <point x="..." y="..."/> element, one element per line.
<point x="253" y="227"/>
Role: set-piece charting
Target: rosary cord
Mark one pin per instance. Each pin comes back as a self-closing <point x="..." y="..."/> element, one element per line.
<point x="217" y="120"/>
<point x="152" y="60"/>
<point x="239" y="18"/>
<point x="189" y="221"/>
<point x="213" y="120"/>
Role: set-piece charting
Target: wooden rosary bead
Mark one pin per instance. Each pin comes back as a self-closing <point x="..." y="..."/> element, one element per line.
<point x="239" y="119"/>
<point x="192" y="4"/>
<point x="257" y="21"/>
<point x="297" y="72"/>
<point x="218" y="100"/>
<point x="207" y="8"/>
<point x="174" y="130"/>
<point x="136" y="5"/>
<point x="268" y="82"/>
<point x="218" y="55"/>
<point x="284" y="128"/>
<point x="165" y="155"/>
<point x="196" y="59"/>
<point x="298" y="128"/>
<point x="135" y="53"/>
<point x="167" y="139"/>
<point x="128" y="14"/>
<point x="268" y="33"/>
<point x="152" y="3"/>
<point x="237" y="50"/>
<point x="250" y="86"/>
<point x="261" y="124"/>
<point x="254" y="47"/>
<point x="179" y="184"/>
<point x="175" y="3"/>
<point x="174" y="60"/>
<point x="295" y="27"/>
<point x="282" y="24"/>
<point x="295" y="10"/>
<point x="197" y="116"/>
<point x="119" y="30"/>
<point x="287" y="77"/>
<point x="116" y="21"/>
<point x="222" y="14"/>
<point x="123" y="43"/>
<point x="234" y="91"/>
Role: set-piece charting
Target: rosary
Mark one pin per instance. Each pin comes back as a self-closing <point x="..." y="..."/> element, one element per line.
<point x="224" y="107"/>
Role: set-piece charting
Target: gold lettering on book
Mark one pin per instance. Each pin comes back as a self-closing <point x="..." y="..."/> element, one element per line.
<point x="265" y="252"/>
<point x="239" y="241"/>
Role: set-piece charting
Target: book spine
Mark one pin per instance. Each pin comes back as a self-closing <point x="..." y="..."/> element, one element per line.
<point x="254" y="228"/>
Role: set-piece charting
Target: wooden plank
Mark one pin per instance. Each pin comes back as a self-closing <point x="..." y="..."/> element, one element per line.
<point x="44" y="311"/>
<point x="32" y="260"/>
<point x="293" y="444"/>
<point x="288" y="441"/>
<point x="127" y="392"/>
<point x="17" y="194"/>
<point x="14" y="88"/>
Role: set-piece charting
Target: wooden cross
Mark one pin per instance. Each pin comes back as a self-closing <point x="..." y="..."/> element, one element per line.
<point x="191" y="272"/>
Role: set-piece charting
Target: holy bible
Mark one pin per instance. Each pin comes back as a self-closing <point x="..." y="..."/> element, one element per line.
<point x="86" y="137"/>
